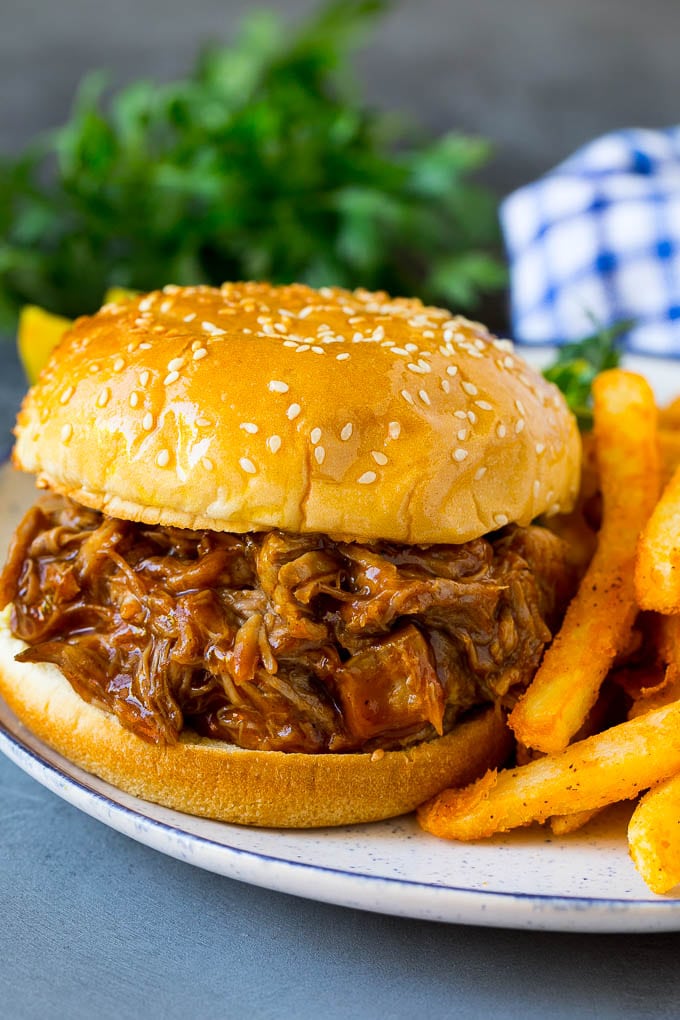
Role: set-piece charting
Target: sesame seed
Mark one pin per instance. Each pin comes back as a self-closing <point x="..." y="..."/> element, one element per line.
<point x="318" y="350"/>
<point x="445" y="385"/>
<point x="394" y="430"/>
<point x="195" y="344"/>
<point x="367" y="478"/>
<point x="460" y="454"/>
<point x="378" y="334"/>
<point x="305" y="312"/>
<point x="302" y="348"/>
<point x="416" y="368"/>
<point x="460" y="414"/>
<point x="119" y="365"/>
<point x="411" y="347"/>
<point x="551" y="496"/>
<point x="170" y="378"/>
<point x="175" y="364"/>
<point x="470" y="388"/>
<point x="501" y="520"/>
<point x="199" y="353"/>
<point x="94" y="368"/>
<point x="66" y="395"/>
<point x="342" y="357"/>
<point x="144" y="378"/>
<point x="462" y="435"/>
<point x="379" y="457"/>
<point x="274" y="443"/>
<point x="483" y="405"/>
<point x="163" y="458"/>
<point x="145" y="346"/>
<point x="247" y="465"/>
<point x="147" y="422"/>
<point x="166" y="306"/>
<point x="400" y="351"/>
<point x="520" y="406"/>
<point x="424" y="397"/>
<point x="207" y="464"/>
<point x="509" y="362"/>
<point x="134" y="399"/>
<point x="315" y="436"/>
<point x="66" y="432"/>
<point x="346" y="431"/>
<point x="358" y="338"/>
<point x="479" y="473"/>
<point x="190" y="317"/>
<point x="145" y="304"/>
<point x="280" y="327"/>
<point x="537" y="488"/>
<point x="293" y="411"/>
<point x="320" y="454"/>
<point x="210" y="327"/>
<point x="519" y="425"/>
<point x="501" y="430"/>
<point x="472" y="417"/>
<point x="407" y="396"/>
<point x="203" y="422"/>
<point x="249" y="427"/>
<point x="104" y="397"/>
<point x="276" y="386"/>
<point x="540" y="447"/>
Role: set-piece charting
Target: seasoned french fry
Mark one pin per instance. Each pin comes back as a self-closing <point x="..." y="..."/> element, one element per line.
<point x="610" y="766"/>
<point x="654" y="829"/>
<point x="668" y="639"/>
<point x="564" y="825"/>
<point x="657" y="571"/>
<point x="654" y="836"/>
<point x="669" y="453"/>
<point x="598" y="623"/>
<point x="669" y="416"/>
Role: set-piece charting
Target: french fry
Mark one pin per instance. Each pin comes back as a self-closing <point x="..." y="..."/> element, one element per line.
<point x="669" y="416"/>
<point x="608" y="767"/>
<point x="657" y="571"/>
<point x="654" y="836"/>
<point x="669" y="453"/>
<point x="599" y="621"/>
<point x="564" y="825"/>
<point x="654" y="829"/>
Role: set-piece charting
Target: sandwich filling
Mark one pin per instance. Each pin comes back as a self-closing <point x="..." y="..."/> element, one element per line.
<point x="273" y="641"/>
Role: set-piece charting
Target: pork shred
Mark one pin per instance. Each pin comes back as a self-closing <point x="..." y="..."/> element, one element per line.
<point x="275" y="641"/>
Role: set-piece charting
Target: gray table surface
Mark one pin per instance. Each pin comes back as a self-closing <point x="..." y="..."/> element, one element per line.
<point x="93" y="925"/>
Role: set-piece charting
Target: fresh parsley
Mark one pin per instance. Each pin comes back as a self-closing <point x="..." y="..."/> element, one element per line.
<point x="263" y="163"/>
<point x="577" y="364"/>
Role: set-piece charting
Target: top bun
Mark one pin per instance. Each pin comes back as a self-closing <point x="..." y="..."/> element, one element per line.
<point x="252" y="407"/>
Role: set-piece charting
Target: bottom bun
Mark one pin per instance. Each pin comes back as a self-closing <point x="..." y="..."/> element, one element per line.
<point x="202" y="776"/>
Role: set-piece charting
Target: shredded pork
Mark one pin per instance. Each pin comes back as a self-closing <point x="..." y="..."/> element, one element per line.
<point x="280" y="642"/>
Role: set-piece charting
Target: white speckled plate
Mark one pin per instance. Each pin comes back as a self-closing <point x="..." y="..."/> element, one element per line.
<point x="584" y="882"/>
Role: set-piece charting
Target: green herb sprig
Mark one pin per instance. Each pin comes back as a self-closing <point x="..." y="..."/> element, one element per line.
<point x="577" y="364"/>
<point x="263" y="163"/>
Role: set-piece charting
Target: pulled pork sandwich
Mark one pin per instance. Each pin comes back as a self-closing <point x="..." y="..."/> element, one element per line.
<point x="286" y="571"/>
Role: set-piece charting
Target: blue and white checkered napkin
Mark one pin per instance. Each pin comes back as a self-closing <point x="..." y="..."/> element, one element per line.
<point x="597" y="240"/>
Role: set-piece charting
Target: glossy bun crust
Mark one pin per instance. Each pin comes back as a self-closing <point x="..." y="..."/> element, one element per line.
<point x="217" y="780"/>
<point x="252" y="407"/>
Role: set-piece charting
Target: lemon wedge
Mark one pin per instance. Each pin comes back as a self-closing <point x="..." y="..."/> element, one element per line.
<point x="39" y="333"/>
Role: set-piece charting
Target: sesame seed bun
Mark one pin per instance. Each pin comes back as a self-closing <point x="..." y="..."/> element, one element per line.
<point x="251" y="407"/>
<point x="217" y="780"/>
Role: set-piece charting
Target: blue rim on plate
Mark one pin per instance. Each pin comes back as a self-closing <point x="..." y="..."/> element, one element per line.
<point x="354" y="889"/>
